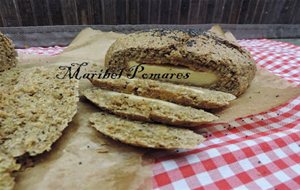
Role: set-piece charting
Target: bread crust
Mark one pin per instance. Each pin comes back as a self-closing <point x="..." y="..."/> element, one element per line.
<point x="179" y="94"/>
<point x="7" y="166"/>
<point x="147" y="135"/>
<point x="8" y="53"/>
<point x="232" y="64"/>
<point x="144" y="47"/>
<point x="147" y="109"/>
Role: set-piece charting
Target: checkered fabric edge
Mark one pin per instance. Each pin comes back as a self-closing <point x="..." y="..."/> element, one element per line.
<point x="47" y="51"/>
<point x="255" y="152"/>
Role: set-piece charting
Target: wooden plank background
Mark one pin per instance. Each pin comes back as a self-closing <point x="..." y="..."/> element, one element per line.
<point x="111" y="12"/>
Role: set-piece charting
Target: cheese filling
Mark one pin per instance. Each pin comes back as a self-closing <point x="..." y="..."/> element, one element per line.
<point x="175" y="74"/>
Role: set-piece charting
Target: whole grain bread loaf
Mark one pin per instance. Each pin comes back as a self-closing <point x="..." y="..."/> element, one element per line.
<point x="147" y="109"/>
<point x="8" y="53"/>
<point x="35" y="108"/>
<point x="233" y="65"/>
<point x="179" y="94"/>
<point x="7" y="166"/>
<point x="144" y="134"/>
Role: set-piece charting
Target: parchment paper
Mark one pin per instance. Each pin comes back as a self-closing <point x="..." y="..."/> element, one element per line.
<point x="84" y="159"/>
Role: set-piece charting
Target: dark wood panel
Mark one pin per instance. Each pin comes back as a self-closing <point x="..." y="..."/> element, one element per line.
<point x="154" y="11"/>
<point x="244" y="11"/>
<point x="210" y="6"/>
<point x="175" y="12"/>
<point x="97" y="12"/>
<point x="296" y="13"/>
<point x="218" y="11"/>
<point x="90" y="12"/>
<point x="276" y="10"/>
<point x="25" y="9"/>
<point x="235" y="12"/>
<point x="269" y="13"/>
<point x="250" y="11"/>
<point x="70" y="12"/>
<point x="9" y="14"/>
<point x="109" y="11"/>
<point x="56" y="12"/>
<point x="63" y="35"/>
<point x="184" y="11"/>
<point x="194" y="11"/>
<point x="1" y="21"/>
<point x="258" y="11"/>
<point x="133" y="11"/>
<point x="165" y="7"/>
<point x="202" y="11"/>
<point x="121" y="9"/>
<point x="144" y="11"/>
<point x="83" y="12"/>
<point x="227" y="9"/>
<point x="41" y="12"/>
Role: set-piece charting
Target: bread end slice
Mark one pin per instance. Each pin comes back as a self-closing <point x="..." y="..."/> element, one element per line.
<point x="8" y="53"/>
<point x="7" y="166"/>
<point x="35" y="108"/>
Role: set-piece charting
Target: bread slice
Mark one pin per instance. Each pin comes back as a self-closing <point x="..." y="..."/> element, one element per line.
<point x="8" y="53"/>
<point x="213" y="62"/>
<point x="144" y="134"/>
<point x="35" y="108"/>
<point x="7" y="166"/>
<point x="147" y="109"/>
<point x="179" y="94"/>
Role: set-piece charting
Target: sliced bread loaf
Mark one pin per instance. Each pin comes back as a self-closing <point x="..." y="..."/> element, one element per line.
<point x="184" y="95"/>
<point x="144" y="134"/>
<point x="35" y="108"/>
<point x="212" y="62"/>
<point x="147" y="109"/>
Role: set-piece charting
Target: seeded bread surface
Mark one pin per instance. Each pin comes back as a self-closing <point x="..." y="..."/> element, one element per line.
<point x="144" y="134"/>
<point x="8" y="53"/>
<point x="151" y="46"/>
<point x="232" y="64"/>
<point x="147" y="109"/>
<point x="35" y="108"/>
<point x="179" y="94"/>
<point x="7" y="166"/>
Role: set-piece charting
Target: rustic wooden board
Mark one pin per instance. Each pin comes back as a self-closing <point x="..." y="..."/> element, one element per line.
<point x="71" y="12"/>
<point x="83" y="11"/>
<point x="174" y="12"/>
<point x="165" y="7"/>
<point x="55" y="12"/>
<point x="184" y="10"/>
<point x="44" y="17"/>
<point x="26" y="12"/>
<point x="144" y="11"/>
<point x="96" y="8"/>
<point x="62" y="35"/>
<point x="154" y="11"/>
<point x="9" y="14"/>
<point x="194" y="11"/>
<point x="296" y="13"/>
<point x="133" y="11"/>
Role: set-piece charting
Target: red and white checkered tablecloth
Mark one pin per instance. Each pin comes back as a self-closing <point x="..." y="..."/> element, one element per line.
<point x="256" y="152"/>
